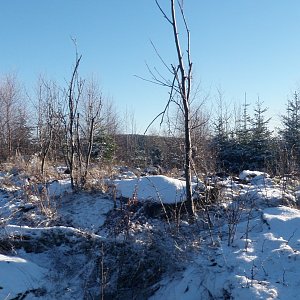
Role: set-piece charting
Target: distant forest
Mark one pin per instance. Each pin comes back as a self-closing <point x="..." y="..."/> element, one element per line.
<point x="77" y="125"/>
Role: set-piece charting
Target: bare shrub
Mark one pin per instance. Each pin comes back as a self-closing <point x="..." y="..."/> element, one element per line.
<point x="37" y="194"/>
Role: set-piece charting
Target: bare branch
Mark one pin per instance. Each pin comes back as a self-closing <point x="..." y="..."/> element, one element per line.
<point x="159" y="56"/>
<point x="187" y="31"/>
<point x="161" y="76"/>
<point x="152" y="81"/>
<point x="165" y="109"/>
<point x="164" y="14"/>
<point x="164" y="81"/>
<point x="153" y="121"/>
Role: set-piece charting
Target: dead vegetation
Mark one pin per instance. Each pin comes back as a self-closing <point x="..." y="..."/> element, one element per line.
<point x="139" y="242"/>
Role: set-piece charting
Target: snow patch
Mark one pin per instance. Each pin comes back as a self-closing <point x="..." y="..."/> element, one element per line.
<point x="59" y="188"/>
<point x="255" y="177"/>
<point x="18" y="276"/>
<point x="156" y="188"/>
<point x="266" y="265"/>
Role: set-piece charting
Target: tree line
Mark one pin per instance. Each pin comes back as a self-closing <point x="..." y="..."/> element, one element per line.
<point x="76" y="125"/>
<point x="250" y="144"/>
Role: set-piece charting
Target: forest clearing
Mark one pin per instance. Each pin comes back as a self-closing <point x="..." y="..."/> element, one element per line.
<point x="196" y="196"/>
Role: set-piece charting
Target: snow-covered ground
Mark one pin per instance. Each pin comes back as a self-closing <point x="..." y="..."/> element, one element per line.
<point x="18" y="275"/>
<point x="263" y="262"/>
<point x="59" y="244"/>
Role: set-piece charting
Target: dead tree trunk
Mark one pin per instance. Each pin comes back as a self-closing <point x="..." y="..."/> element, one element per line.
<point x="181" y="88"/>
<point x="185" y="89"/>
<point x="73" y="96"/>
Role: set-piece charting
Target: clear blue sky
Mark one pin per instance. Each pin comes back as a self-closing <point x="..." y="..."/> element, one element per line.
<point x="239" y="46"/>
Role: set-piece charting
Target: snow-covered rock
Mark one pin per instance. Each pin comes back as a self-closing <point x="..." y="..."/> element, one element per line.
<point x="59" y="188"/>
<point x="156" y="188"/>
<point x="253" y="176"/>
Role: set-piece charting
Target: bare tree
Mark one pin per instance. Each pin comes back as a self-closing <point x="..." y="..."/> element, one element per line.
<point x="48" y="122"/>
<point x="83" y="118"/>
<point x="15" y="132"/>
<point x="21" y="140"/>
<point x="180" y="88"/>
<point x="70" y="119"/>
<point x="93" y="103"/>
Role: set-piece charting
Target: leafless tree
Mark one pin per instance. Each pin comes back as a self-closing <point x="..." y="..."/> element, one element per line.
<point x="92" y="107"/>
<point x="48" y="121"/>
<point x="180" y="86"/>
<point x="85" y="115"/>
<point x="70" y="119"/>
<point x="15" y="132"/>
<point x="22" y="131"/>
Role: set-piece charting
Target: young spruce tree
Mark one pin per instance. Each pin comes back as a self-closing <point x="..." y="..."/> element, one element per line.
<point x="260" y="142"/>
<point x="290" y="133"/>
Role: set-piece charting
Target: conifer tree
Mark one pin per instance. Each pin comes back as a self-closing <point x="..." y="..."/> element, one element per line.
<point x="290" y="132"/>
<point x="260" y="138"/>
<point x="221" y="141"/>
<point x="242" y="139"/>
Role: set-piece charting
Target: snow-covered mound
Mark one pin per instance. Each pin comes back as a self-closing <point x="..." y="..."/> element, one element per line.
<point x="263" y="262"/>
<point x="19" y="277"/>
<point x="85" y="211"/>
<point x="59" y="188"/>
<point x="261" y="190"/>
<point x="156" y="188"/>
<point x="255" y="177"/>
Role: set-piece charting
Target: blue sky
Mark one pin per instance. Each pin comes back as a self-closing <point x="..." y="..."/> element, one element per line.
<point x="238" y="46"/>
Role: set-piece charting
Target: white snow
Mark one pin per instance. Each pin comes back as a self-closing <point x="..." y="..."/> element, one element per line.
<point x="264" y="266"/>
<point x="61" y="169"/>
<point x="59" y="188"/>
<point x="14" y="230"/>
<point x="127" y="175"/>
<point x="248" y="175"/>
<point x="17" y="276"/>
<point x="158" y="188"/>
<point x="86" y="211"/>
<point x="262" y="261"/>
